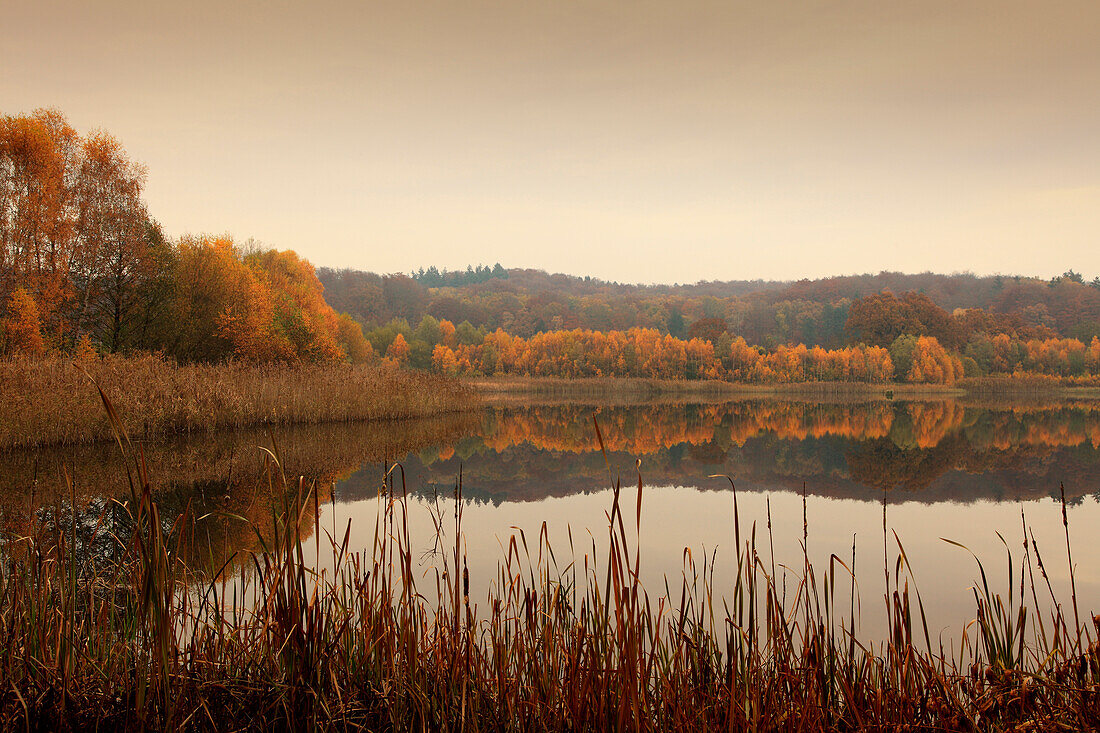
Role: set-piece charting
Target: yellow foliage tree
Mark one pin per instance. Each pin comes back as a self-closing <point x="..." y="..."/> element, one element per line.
<point x="22" y="329"/>
<point x="444" y="360"/>
<point x="349" y="335"/>
<point x="85" y="352"/>
<point x="399" y="350"/>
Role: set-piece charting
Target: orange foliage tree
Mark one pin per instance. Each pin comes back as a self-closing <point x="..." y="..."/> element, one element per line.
<point x="932" y="364"/>
<point x="265" y="306"/>
<point x="444" y="360"/>
<point x="39" y="160"/>
<point x="301" y="315"/>
<point x="398" y="351"/>
<point x="78" y="244"/>
<point x="112" y="256"/>
<point x="22" y="330"/>
<point x="641" y="352"/>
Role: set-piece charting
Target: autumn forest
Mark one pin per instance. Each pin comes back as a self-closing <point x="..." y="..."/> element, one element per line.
<point x="85" y="268"/>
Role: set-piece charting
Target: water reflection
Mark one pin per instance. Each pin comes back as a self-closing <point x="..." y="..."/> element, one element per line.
<point x="215" y="479"/>
<point x="918" y="451"/>
<point x="934" y="453"/>
<point x="965" y="471"/>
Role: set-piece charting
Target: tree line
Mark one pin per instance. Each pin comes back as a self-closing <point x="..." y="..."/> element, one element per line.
<point x="769" y="314"/>
<point x="433" y="277"/>
<point x="84" y="267"/>
<point x="879" y="336"/>
<point x="909" y="352"/>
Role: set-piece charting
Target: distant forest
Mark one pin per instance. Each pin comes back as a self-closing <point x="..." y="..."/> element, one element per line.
<point x="765" y="313"/>
<point x="916" y="328"/>
<point x="525" y="302"/>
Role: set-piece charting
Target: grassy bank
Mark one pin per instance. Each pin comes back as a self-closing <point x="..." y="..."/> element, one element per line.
<point x="55" y="401"/>
<point x="504" y="390"/>
<point x="106" y="625"/>
<point x="519" y="390"/>
<point x="1029" y="387"/>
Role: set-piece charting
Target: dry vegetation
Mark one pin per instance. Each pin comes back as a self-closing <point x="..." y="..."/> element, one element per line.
<point x="129" y="637"/>
<point x="617" y="390"/>
<point x="55" y="401"/>
<point x="1025" y="386"/>
<point x="520" y="390"/>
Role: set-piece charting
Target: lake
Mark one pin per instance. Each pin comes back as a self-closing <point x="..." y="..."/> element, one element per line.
<point x="824" y="474"/>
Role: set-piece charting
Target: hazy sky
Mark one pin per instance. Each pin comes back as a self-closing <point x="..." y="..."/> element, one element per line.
<point x="637" y="141"/>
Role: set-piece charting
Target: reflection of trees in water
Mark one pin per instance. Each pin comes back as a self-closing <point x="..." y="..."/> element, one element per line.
<point x="836" y="467"/>
<point x="931" y="450"/>
<point x="643" y="430"/>
<point x="206" y="480"/>
<point x="883" y="464"/>
<point x="928" y="451"/>
<point x="923" y="424"/>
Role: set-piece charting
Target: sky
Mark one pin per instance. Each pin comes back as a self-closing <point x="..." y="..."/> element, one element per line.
<point x="633" y="141"/>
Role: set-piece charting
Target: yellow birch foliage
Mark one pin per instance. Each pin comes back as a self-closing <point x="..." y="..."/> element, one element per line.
<point x="22" y="329"/>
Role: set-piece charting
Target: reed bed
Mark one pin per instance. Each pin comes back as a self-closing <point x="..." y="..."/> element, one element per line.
<point x="629" y="390"/>
<point x="106" y="623"/>
<point x="56" y="401"/>
<point x="130" y="637"/>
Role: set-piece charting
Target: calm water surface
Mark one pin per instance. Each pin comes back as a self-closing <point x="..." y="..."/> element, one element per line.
<point x="939" y="469"/>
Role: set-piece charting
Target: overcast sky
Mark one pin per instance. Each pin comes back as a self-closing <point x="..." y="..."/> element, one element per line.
<point x="636" y="141"/>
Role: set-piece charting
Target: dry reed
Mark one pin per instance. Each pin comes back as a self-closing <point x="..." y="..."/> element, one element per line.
<point x="132" y="638"/>
<point x="54" y="401"/>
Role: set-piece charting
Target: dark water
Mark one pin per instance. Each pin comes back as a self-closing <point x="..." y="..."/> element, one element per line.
<point x="946" y="469"/>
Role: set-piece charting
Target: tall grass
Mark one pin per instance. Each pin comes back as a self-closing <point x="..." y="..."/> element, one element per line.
<point x="639" y="390"/>
<point x="567" y="638"/>
<point x="54" y="401"/>
<point x="513" y="389"/>
<point x="618" y="389"/>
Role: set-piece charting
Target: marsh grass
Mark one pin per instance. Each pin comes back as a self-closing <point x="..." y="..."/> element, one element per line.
<point x="634" y="390"/>
<point x="567" y="638"/>
<point x="631" y="390"/>
<point x="55" y="401"/>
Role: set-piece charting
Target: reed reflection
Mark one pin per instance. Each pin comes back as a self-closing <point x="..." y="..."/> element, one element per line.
<point x="216" y="492"/>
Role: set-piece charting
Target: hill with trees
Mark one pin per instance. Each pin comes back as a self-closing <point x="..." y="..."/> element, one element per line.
<point x="936" y="329"/>
<point x="768" y="313"/>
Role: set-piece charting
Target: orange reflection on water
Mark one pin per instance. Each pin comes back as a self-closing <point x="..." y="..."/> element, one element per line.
<point x="646" y="430"/>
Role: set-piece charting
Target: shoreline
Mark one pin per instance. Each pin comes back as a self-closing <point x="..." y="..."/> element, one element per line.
<point x="54" y="403"/>
<point x="509" y="390"/>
